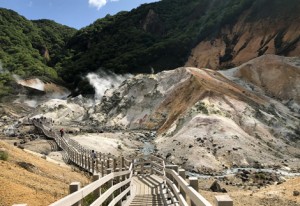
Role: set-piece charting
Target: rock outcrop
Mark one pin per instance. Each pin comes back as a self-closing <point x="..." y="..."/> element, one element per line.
<point x="205" y="120"/>
<point x="243" y="41"/>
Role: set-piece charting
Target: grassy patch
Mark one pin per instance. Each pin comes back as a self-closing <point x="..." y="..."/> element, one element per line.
<point x="3" y="155"/>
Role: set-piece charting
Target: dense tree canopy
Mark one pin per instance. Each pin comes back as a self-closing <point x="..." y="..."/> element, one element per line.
<point x="29" y="48"/>
<point x="155" y="36"/>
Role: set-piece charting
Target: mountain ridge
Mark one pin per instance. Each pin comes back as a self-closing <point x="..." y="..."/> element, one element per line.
<point x="155" y="37"/>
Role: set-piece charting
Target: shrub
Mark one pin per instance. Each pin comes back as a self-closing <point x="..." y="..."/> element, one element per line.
<point x="3" y="155"/>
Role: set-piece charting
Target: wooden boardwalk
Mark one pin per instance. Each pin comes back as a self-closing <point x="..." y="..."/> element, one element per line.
<point x="142" y="181"/>
<point x="147" y="190"/>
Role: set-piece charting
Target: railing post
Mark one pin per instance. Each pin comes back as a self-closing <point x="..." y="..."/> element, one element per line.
<point x="123" y="178"/>
<point x="100" y="155"/>
<point x="107" y="164"/>
<point x="97" y="192"/>
<point x="110" y="183"/>
<point x="89" y="164"/>
<point x="97" y="165"/>
<point x="102" y="168"/>
<point x="181" y="173"/>
<point x="194" y="184"/>
<point x="114" y="164"/>
<point x="132" y="162"/>
<point x="122" y="162"/>
<point x="118" y="191"/>
<point x="74" y="187"/>
<point x="223" y="200"/>
<point x="142" y="166"/>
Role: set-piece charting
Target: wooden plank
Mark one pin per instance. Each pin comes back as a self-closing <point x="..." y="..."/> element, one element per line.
<point x="157" y="165"/>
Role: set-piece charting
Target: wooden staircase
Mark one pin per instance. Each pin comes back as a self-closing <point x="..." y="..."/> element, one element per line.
<point x="147" y="190"/>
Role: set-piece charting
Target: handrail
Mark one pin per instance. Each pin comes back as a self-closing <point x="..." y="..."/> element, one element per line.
<point x="107" y="193"/>
<point x="191" y="192"/>
<point x="80" y="194"/>
<point x="75" y="152"/>
<point x="177" y="193"/>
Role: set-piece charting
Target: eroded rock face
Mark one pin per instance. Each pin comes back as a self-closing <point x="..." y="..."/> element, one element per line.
<point x="245" y="41"/>
<point x="136" y="104"/>
<point x="275" y="76"/>
<point x="205" y="121"/>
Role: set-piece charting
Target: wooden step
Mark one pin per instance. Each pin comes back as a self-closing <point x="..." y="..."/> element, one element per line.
<point x="141" y="200"/>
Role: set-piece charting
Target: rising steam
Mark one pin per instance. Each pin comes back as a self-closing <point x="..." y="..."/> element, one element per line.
<point x="102" y="81"/>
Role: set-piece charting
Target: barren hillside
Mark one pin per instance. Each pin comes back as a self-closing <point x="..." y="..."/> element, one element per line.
<point x="201" y="112"/>
<point x="26" y="178"/>
<point x="246" y="40"/>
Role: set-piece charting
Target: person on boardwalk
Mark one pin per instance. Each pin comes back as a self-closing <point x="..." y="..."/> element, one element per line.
<point x="93" y="155"/>
<point x="61" y="132"/>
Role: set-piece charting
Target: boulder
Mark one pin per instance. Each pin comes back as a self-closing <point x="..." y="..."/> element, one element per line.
<point x="215" y="187"/>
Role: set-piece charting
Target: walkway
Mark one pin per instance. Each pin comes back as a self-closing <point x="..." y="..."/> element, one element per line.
<point x="142" y="181"/>
<point x="147" y="190"/>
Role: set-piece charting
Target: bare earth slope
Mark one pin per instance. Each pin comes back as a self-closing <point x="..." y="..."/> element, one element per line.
<point x="275" y="76"/>
<point x="247" y="40"/>
<point x="40" y="184"/>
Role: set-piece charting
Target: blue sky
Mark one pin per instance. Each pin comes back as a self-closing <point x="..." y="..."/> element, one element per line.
<point x="73" y="13"/>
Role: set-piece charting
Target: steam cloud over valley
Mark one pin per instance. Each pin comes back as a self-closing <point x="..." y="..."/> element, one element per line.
<point x="102" y="81"/>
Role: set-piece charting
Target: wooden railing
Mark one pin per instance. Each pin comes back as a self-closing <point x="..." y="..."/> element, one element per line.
<point x="184" y="192"/>
<point x="77" y="154"/>
<point x="178" y="190"/>
<point x="113" y="176"/>
<point x="116" y="184"/>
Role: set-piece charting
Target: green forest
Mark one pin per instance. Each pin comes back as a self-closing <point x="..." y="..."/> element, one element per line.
<point x="158" y="35"/>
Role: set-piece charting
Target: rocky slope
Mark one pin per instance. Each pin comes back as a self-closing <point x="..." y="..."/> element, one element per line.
<point x="205" y="120"/>
<point x="202" y="113"/>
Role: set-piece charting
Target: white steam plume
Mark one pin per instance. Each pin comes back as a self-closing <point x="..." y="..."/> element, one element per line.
<point x="102" y="81"/>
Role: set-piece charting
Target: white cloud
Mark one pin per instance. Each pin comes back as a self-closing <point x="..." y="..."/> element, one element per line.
<point x="97" y="3"/>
